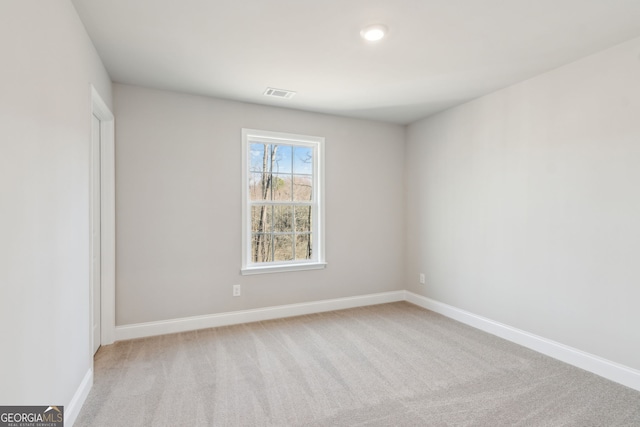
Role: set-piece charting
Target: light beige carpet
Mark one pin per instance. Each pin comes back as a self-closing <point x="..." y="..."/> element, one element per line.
<point x="386" y="365"/>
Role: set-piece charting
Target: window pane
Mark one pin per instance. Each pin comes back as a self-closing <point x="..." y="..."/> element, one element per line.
<point x="302" y="187"/>
<point x="283" y="247"/>
<point x="281" y="184"/>
<point x="303" y="218"/>
<point x="259" y="157"/>
<point x="303" y="246"/>
<point x="282" y="159"/>
<point x="261" y="247"/>
<point x="257" y="186"/>
<point x="261" y="219"/>
<point x="303" y="160"/>
<point x="283" y="219"/>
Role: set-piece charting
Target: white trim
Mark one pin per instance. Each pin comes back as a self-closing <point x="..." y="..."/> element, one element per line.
<point x="281" y="268"/>
<point x="320" y="223"/>
<point x="142" y="330"/>
<point x="267" y="137"/>
<point x="605" y="368"/>
<point x="589" y="362"/>
<point x="72" y="410"/>
<point x="107" y="217"/>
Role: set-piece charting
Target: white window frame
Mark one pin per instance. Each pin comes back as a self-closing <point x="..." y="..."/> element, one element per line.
<point x="317" y="202"/>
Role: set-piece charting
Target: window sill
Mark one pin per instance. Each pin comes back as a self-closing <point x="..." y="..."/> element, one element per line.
<point x="282" y="268"/>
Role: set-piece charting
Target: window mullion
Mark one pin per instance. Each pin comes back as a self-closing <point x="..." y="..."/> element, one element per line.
<point x="293" y="235"/>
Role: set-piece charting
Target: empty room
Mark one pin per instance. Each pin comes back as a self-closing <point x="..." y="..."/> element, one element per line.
<point x="296" y="213"/>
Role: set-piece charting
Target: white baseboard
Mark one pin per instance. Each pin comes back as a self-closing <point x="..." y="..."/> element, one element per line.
<point x="589" y="362"/>
<point x="141" y="330"/>
<point x="72" y="410"/>
<point x="594" y="364"/>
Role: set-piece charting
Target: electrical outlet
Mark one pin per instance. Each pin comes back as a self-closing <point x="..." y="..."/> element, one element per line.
<point x="422" y="279"/>
<point x="236" y="290"/>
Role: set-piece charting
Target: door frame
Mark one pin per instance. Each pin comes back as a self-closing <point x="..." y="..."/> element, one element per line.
<point x="107" y="222"/>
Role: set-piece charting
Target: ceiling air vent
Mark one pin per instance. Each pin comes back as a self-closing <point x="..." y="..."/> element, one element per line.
<point x="279" y="93"/>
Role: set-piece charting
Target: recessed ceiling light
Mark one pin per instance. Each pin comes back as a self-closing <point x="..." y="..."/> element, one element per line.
<point x="373" y="33"/>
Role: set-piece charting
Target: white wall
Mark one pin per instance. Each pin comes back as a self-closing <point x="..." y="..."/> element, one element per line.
<point x="523" y="206"/>
<point x="178" y="206"/>
<point x="48" y="63"/>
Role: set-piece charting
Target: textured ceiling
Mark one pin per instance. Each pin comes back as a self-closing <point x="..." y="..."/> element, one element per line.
<point x="438" y="53"/>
